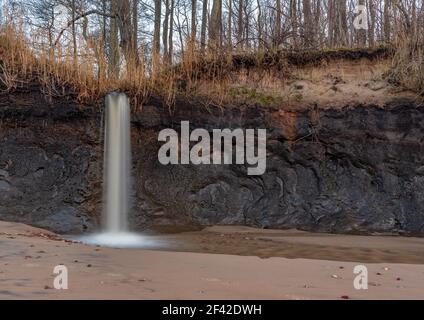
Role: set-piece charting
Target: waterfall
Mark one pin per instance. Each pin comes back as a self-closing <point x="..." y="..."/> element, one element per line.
<point x="117" y="160"/>
<point x="117" y="180"/>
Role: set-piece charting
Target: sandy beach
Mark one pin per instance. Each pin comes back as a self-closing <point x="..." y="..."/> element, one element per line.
<point x="28" y="256"/>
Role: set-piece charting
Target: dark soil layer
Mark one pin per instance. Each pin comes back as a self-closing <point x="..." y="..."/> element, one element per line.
<point x="282" y="61"/>
<point x="357" y="170"/>
<point x="314" y="58"/>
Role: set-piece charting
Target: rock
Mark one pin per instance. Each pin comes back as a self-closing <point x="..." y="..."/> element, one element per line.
<point x="64" y="221"/>
<point x="347" y="182"/>
<point x="4" y="173"/>
<point x="4" y="186"/>
<point x="374" y="284"/>
<point x="339" y="170"/>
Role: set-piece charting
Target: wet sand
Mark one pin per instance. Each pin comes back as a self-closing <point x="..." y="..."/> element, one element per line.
<point x="246" y="241"/>
<point x="28" y="256"/>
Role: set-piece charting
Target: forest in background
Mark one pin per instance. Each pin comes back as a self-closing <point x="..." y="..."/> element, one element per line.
<point x="99" y="45"/>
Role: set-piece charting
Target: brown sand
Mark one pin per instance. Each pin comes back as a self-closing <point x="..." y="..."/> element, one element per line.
<point x="28" y="256"/>
<point x="338" y="84"/>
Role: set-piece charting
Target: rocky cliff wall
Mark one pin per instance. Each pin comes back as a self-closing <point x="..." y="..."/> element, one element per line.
<point x="353" y="170"/>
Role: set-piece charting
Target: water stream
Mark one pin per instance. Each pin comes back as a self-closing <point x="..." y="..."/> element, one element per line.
<point x="117" y="179"/>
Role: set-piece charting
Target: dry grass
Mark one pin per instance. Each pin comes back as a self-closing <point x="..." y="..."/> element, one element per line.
<point x="407" y="68"/>
<point x="86" y="80"/>
<point x="263" y="78"/>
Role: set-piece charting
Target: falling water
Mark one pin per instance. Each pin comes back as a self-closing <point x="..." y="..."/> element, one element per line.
<point x="116" y="180"/>
<point x="117" y="159"/>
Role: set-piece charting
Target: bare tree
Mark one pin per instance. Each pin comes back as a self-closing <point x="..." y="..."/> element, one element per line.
<point x="193" y="22"/>
<point x="204" y="24"/>
<point x="386" y="21"/>
<point x="215" y="25"/>
<point x="308" y="31"/>
<point x="118" y="26"/>
<point x="114" y="55"/>
<point x="165" y="30"/>
<point x="156" y="36"/>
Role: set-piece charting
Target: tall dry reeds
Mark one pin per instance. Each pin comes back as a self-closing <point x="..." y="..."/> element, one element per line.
<point x="59" y="74"/>
<point x="407" y="67"/>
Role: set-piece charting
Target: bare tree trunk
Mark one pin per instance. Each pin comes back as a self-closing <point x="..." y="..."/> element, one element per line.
<point x="156" y="37"/>
<point x="179" y="28"/>
<point x="277" y="31"/>
<point x="386" y="21"/>
<point x="293" y="22"/>
<point x="414" y="18"/>
<point x="193" y="21"/>
<point x="240" y="27"/>
<point x="342" y="23"/>
<point x="171" y="32"/>
<point x="246" y="25"/>
<point x="317" y="21"/>
<point x="331" y="23"/>
<point x="135" y="29"/>
<point x="104" y="22"/>
<point x="372" y="21"/>
<point x="204" y="24"/>
<point x="126" y="31"/>
<point x="215" y="25"/>
<point x="74" y="34"/>
<point x="260" y="26"/>
<point x="114" y="56"/>
<point x="165" y="31"/>
<point x="230" y="29"/>
<point x="308" y="33"/>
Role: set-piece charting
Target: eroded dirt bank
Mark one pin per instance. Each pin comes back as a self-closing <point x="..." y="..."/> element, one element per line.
<point x="357" y="169"/>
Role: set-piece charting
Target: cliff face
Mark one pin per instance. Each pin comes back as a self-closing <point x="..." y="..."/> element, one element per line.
<point x="340" y="170"/>
<point x="49" y="161"/>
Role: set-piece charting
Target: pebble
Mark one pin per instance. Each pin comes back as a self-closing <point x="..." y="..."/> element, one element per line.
<point x="374" y="284"/>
